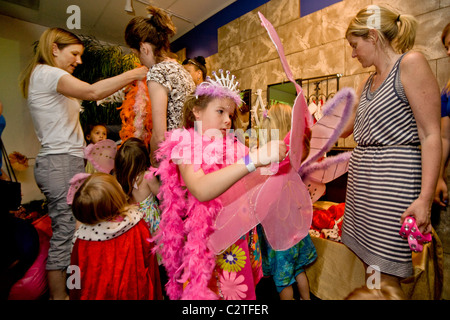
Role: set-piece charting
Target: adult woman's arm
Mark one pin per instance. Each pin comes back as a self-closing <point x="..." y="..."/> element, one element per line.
<point x="441" y="195"/>
<point x="422" y="91"/>
<point x="71" y="86"/>
<point x="348" y="129"/>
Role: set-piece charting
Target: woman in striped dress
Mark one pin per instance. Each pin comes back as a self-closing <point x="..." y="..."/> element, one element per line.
<point x="394" y="169"/>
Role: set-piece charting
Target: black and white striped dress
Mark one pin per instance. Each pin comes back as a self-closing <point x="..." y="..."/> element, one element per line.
<point x="384" y="176"/>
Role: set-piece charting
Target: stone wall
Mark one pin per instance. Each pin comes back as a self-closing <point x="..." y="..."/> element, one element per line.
<point x="315" y="44"/>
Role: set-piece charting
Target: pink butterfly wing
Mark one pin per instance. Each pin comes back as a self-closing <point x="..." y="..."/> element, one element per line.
<point x="238" y="214"/>
<point x="323" y="172"/>
<point x="316" y="189"/>
<point x="326" y="131"/>
<point x="101" y="155"/>
<point x="298" y="125"/>
<point x="300" y="115"/>
<point x="75" y="183"/>
<point x="279" y="46"/>
<point x="287" y="207"/>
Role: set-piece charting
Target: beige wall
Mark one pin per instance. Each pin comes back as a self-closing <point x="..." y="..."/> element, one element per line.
<point x="315" y="45"/>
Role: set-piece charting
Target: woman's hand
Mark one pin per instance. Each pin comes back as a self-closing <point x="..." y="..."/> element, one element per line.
<point x="421" y="211"/>
<point x="441" y="195"/>
<point x="139" y="73"/>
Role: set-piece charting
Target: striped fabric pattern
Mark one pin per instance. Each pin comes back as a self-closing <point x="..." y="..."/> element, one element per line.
<point x="384" y="177"/>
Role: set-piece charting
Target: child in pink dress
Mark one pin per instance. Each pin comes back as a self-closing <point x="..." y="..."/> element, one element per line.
<point x="195" y="171"/>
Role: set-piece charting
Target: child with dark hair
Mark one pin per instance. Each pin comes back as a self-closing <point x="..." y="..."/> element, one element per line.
<point x="197" y="68"/>
<point x="94" y="133"/>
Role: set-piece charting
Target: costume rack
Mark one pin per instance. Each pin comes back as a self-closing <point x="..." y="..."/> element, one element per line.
<point x="321" y="88"/>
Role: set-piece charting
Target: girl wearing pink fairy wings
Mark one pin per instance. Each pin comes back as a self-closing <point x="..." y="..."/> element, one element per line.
<point x="190" y="201"/>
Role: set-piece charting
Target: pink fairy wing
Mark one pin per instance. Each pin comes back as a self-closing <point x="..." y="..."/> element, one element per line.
<point x="298" y="125"/>
<point x="315" y="188"/>
<point x="277" y="42"/>
<point x="101" y="155"/>
<point x="326" y="131"/>
<point x="287" y="208"/>
<point x="75" y="183"/>
<point x="317" y="174"/>
<point x="238" y="214"/>
<point x="329" y="168"/>
<point x="300" y="115"/>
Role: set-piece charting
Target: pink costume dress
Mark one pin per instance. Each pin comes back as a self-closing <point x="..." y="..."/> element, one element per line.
<point x="194" y="271"/>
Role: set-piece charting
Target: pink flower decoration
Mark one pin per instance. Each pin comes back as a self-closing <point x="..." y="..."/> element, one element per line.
<point x="232" y="288"/>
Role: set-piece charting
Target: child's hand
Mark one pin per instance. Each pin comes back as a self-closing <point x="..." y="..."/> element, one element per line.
<point x="273" y="151"/>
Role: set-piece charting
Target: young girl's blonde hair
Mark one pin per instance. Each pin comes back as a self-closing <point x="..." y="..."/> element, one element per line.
<point x="99" y="198"/>
<point x="399" y="30"/>
<point x="43" y="52"/>
<point x="278" y="117"/>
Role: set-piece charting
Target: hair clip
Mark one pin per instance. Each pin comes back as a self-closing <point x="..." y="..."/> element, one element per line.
<point x="265" y="114"/>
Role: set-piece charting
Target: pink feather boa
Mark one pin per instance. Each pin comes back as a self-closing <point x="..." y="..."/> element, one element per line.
<point x="186" y="223"/>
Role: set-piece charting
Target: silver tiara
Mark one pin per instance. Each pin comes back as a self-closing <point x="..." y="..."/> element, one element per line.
<point x="227" y="82"/>
<point x="222" y="86"/>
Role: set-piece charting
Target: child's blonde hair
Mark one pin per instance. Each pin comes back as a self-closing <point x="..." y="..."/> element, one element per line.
<point x="99" y="198"/>
<point x="397" y="29"/>
<point x="278" y="117"/>
<point x="387" y="292"/>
